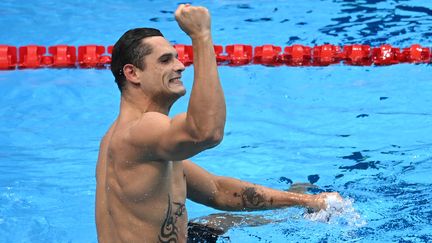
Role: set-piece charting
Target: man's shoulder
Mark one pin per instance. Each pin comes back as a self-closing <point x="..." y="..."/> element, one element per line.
<point x="146" y="120"/>
<point x="145" y="128"/>
<point x="105" y="139"/>
<point x="153" y="116"/>
<point x="149" y="121"/>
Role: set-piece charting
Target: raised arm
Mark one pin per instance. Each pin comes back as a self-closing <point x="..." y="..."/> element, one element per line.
<point x="230" y="194"/>
<point x="206" y="110"/>
<point x="202" y="126"/>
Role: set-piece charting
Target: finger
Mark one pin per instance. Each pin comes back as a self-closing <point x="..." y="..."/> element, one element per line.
<point x="179" y="8"/>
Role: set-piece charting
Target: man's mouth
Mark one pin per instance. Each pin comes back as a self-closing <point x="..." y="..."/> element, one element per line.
<point x="176" y="81"/>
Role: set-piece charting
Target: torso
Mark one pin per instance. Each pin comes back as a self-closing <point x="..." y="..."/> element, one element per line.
<point x="138" y="200"/>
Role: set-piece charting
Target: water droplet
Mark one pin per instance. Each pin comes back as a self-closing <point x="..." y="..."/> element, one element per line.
<point x="338" y="212"/>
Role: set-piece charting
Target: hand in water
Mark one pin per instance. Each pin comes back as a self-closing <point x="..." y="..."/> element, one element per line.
<point x="326" y="200"/>
<point x="332" y="208"/>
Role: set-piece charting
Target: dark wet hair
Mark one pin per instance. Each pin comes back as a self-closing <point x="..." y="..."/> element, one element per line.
<point x="130" y="49"/>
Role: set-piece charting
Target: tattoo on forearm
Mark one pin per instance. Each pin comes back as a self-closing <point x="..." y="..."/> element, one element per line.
<point x="169" y="228"/>
<point x="251" y="198"/>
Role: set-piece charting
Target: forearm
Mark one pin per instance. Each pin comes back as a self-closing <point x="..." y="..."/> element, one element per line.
<point x="234" y="195"/>
<point x="206" y="110"/>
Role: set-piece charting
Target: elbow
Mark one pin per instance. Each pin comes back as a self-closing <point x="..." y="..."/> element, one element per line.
<point x="210" y="137"/>
<point x="217" y="136"/>
<point x="213" y="138"/>
<point x="208" y="134"/>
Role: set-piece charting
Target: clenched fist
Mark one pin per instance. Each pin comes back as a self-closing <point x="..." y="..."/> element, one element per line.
<point x="325" y="200"/>
<point x="194" y="21"/>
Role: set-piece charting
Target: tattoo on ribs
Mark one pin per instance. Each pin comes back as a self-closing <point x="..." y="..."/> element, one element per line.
<point x="251" y="198"/>
<point x="169" y="228"/>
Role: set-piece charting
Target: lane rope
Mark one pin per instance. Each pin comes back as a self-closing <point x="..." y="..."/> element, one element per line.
<point x="94" y="56"/>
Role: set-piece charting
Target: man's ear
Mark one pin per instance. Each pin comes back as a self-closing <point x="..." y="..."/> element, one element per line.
<point x="130" y="72"/>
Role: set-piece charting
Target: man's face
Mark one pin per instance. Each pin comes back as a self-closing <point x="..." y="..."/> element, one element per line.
<point x="162" y="72"/>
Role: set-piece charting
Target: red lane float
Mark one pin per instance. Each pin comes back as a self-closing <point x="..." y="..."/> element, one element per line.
<point x="220" y="58"/>
<point x="358" y="55"/>
<point x="8" y="57"/>
<point x="297" y="55"/>
<point x="110" y="49"/>
<point x="89" y="56"/>
<point x="185" y="54"/>
<point x="416" y="54"/>
<point x="326" y="55"/>
<point x="63" y="56"/>
<point x="94" y="56"/>
<point x="31" y="56"/>
<point x="385" y="55"/>
<point x="239" y="54"/>
<point x="268" y="55"/>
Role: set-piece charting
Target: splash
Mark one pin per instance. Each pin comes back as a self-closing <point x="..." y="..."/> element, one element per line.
<point x="338" y="212"/>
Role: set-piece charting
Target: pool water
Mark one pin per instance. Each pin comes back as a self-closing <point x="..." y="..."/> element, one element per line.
<point x="361" y="131"/>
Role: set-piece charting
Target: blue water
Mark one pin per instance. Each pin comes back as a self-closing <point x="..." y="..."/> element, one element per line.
<point x="362" y="131"/>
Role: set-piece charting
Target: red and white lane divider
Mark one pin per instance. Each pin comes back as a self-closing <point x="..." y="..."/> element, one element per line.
<point x="94" y="56"/>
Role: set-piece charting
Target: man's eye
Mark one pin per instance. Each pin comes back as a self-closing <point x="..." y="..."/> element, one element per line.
<point x="165" y="60"/>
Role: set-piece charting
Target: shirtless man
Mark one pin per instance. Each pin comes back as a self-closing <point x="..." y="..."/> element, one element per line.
<point x="143" y="175"/>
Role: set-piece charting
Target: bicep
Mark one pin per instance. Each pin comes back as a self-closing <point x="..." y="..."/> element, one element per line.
<point x="166" y="139"/>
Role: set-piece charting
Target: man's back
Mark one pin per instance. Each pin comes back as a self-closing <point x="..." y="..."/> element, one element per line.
<point x="137" y="200"/>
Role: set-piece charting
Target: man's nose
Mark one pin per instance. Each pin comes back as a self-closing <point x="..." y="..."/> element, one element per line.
<point x="179" y="66"/>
